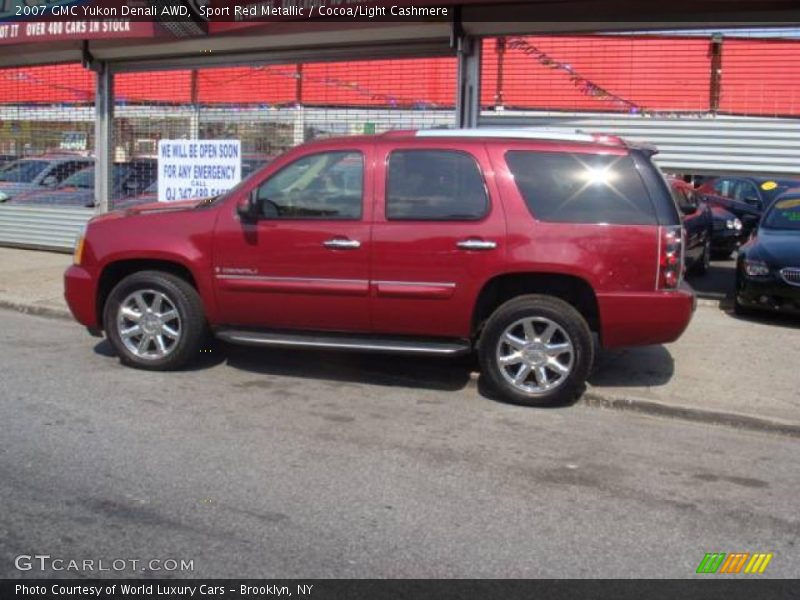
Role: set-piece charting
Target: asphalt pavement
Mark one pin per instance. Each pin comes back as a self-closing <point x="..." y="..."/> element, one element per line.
<point x="307" y="464"/>
<point x="725" y="369"/>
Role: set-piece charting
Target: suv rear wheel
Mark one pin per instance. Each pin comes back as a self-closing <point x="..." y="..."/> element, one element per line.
<point x="537" y="351"/>
<point x="155" y="321"/>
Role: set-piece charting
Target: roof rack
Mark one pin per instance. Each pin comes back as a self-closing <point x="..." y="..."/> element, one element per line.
<point x="526" y="133"/>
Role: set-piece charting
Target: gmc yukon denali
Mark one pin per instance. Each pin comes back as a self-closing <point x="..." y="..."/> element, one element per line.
<point x="529" y="247"/>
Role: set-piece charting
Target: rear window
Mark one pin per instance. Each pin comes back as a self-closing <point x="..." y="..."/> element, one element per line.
<point x="581" y="188"/>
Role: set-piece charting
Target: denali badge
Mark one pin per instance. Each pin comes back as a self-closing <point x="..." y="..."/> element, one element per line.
<point x="238" y="271"/>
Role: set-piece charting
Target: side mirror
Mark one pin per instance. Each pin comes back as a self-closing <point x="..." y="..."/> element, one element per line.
<point x="50" y="181"/>
<point x="752" y="201"/>
<point x="688" y="208"/>
<point x="247" y="209"/>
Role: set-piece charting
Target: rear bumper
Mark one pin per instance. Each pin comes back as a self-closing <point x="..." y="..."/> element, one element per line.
<point x="641" y="319"/>
<point x="80" y="294"/>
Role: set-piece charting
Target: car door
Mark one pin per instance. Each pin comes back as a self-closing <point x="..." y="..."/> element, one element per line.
<point x="718" y="192"/>
<point x="61" y="170"/>
<point x="694" y="223"/>
<point x="437" y="237"/>
<point x="746" y="204"/>
<point x="303" y="263"/>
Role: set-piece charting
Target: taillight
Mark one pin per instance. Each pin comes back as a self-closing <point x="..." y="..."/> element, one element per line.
<point x="670" y="260"/>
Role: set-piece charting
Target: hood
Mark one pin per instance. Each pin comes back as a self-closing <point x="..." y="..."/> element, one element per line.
<point x="162" y="207"/>
<point x="717" y="212"/>
<point x="61" y="197"/>
<point x="9" y="189"/>
<point x="777" y="248"/>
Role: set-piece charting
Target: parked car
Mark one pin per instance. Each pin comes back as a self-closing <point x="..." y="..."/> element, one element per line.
<point x="697" y="224"/>
<point x="40" y="173"/>
<point x="745" y="197"/>
<point x="252" y="163"/>
<point x="727" y="232"/>
<point x="518" y="244"/>
<point x="768" y="266"/>
<point x="147" y="196"/>
<point x="78" y="189"/>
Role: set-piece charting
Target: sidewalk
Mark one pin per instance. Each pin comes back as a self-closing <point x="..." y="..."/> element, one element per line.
<point x="723" y="370"/>
<point x="31" y="281"/>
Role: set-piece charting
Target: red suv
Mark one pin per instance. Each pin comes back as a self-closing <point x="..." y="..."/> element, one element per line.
<point x="517" y="244"/>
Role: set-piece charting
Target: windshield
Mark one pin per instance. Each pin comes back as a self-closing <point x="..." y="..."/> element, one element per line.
<point x="82" y="179"/>
<point x="784" y="214"/>
<point x="773" y="189"/>
<point x="22" y="171"/>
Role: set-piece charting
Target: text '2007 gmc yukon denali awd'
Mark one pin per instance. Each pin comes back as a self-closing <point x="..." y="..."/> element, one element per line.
<point x="517" y="244"/>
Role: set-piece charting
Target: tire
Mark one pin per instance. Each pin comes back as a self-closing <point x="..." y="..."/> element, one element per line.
<point x="176" y="316"/>
<point x="721" y="254"/>
<point x="570" y="329"/>
<point x="739" y="309"/>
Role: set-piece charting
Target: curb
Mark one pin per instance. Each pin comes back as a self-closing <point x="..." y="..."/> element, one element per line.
<point x="710" y="302"/>
<point x="37" y="311"/>
<point x="687" y="413"/>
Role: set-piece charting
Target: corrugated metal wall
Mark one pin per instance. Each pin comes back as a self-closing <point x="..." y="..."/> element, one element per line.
<point x="41" y="227"/>
<point x="711" y="145"/>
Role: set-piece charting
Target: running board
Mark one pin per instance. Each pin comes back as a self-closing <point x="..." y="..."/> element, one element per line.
<point x="333" y="341"/>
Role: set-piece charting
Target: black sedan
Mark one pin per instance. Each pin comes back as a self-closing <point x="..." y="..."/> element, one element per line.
<point x="727" y="232"/>
<point x="747" y="197"/>
<point x="768" y="266"/>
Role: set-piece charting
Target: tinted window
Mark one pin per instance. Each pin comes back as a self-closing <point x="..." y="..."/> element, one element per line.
<point x="723" y="187"/>
<point x="328" y="185"/>
<point x="744" y="190"/>
<point x="23" y="171"/>
<point x="81" y="179"/>
<point x="434" y="185"/>
<point x="581" y="188"/>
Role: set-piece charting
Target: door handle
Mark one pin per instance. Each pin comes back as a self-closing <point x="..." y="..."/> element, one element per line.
<point x="475" y="244"/>
<point x="342" y="244"/>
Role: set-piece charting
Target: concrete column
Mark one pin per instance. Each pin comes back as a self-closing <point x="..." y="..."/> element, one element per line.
<point x="103" y="137"/>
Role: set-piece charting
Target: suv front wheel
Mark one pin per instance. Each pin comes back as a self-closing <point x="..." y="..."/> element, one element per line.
<point x="537" y="351"/>
<point x="155" y="321"/>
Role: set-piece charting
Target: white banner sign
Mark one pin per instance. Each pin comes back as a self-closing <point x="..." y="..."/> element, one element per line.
<point x="190" y="169"/>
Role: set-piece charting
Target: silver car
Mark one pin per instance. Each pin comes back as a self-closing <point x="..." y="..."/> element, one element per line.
<point x="38" y="173"/>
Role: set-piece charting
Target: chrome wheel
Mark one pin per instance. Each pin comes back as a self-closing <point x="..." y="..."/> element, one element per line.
<point x="148" y="324"/>
<point x="535" y="355"/>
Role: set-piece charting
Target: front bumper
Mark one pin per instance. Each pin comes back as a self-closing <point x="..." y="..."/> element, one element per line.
<point x="770" y="293"/>
<point x="641" y="319"/>
<point x="80" y="292"/>
<point x="726" y="240"/>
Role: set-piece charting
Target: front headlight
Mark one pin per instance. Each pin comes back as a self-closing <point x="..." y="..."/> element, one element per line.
<point x="756" y="268"/>
<point x="80" y="241"/>
<point x="734" y="224"/>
